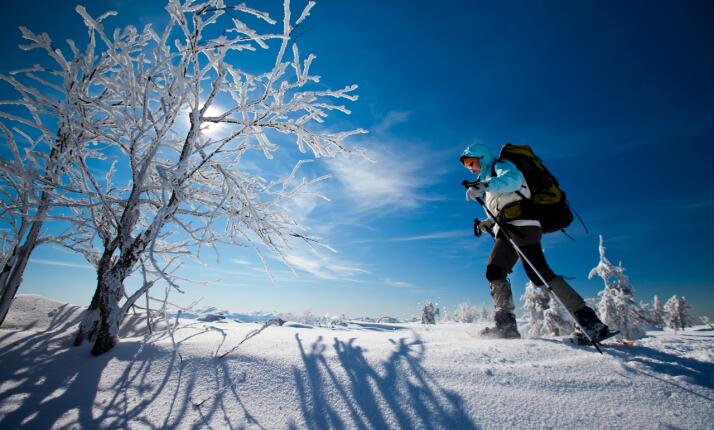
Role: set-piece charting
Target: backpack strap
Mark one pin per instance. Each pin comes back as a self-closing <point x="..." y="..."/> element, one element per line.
<point x="581" y="221"/>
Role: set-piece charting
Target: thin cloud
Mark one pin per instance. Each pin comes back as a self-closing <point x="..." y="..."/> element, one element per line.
<point x="398" y="284"/>
<point x="61" y="263"/>
<point x="395" y="174"/>
<point x="241" y="262"/>
<point x="433" y="236"/>
<point x="301" y="206"/>
<point x="224" y="269"/>
<point x="229" y="284"/>
<point x="325" y="266"/>
<point x="392" y="180"/>
<point x="391" y="119"/>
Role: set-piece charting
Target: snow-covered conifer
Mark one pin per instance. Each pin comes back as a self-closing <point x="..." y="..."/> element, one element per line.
<point x="535" y="303"/>
<point x="617" y="307"/>
<point x="556" y="320"/>
<point x="544" y="314"/>
<point x="444" y="315"/>
<point x="485" y="314"/>
<point x="333" y="321"/>
<point x="465" y="313"/>
<point x="676" y="313"/>
<point x="308" y="318"/>
<point x="428" y="313"/>
<point x="657" y="313"/>
<point x="706" y="321"/>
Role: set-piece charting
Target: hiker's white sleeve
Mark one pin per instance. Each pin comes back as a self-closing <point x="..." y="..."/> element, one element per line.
<point x="508" y="178"/>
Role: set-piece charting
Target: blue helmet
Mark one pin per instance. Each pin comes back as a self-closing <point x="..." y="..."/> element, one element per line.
<point x="478" y="150"/>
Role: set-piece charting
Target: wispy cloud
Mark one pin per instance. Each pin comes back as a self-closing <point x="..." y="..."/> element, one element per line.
<point x="61" y="263"/>
<point x="241" y="262"/>
<point x="230" y="284"/>
<point x="325" y="266"/>
<point x="390" y="120"/>
<point x="397" y="284"/>
<point x="388" y="183"/>
<point x="434" y="236"/>
<point x="301" y="206"/>
<point x="395" y="175"/>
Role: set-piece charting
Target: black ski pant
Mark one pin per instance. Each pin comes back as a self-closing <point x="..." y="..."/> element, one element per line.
<point x="503" y="257"/>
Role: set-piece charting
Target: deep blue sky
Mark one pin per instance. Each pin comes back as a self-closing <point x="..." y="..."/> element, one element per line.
<point x="617" y="98"/>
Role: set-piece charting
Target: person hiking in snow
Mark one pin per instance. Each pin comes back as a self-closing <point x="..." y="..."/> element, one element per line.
<point x="502" y="185"/>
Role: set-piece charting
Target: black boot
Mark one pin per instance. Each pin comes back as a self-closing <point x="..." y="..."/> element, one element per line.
<point x="595" y="329"/>
<point x="506" y="327"/>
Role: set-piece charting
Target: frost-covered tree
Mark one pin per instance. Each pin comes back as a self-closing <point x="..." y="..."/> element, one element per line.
<point x="196" y="132"/>
<point x="443" y="314"/>
<point x="465" y="313"/>
<point x="429" y="312"/>
<point x="45" y="131"/>
<point x="556" y="320"/>
<point x="308" y="318"/>
<point x="657" y="313"/>
<point x="535" y="303"/>
<point x="676" y="313"/>
<point x="544" y="314"/>
<point x="333" y="321"/>
<point x="646" y="313"/>
<point x="485" y="314"/>
<point x="617" y="306"/>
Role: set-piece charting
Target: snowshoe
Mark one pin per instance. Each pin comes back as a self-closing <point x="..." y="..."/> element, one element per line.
<point x="595" y="329"/>
<point x="598" y="336"/>
<point x="506" y="327"/>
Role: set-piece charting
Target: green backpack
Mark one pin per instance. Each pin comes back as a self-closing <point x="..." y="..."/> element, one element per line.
<point x="547" y="204"/>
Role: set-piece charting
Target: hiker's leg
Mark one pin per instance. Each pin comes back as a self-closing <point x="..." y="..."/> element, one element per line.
<point x="500" y="263"/>
<point x="533" y="250"/>
<point x="531" y="247"/>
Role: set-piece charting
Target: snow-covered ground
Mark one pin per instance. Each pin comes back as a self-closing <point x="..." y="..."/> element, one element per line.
<point x="367" y="375"/>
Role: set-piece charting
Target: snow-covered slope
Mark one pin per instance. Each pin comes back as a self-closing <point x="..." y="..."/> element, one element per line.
<point x="34" y="312"/>
<point x="367" y="375"/>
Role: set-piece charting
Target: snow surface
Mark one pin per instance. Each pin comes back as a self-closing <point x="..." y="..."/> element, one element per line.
<point x="365" y="375"/>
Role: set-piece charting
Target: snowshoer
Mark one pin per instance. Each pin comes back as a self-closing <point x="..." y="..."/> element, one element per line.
<point x="501" y="184"/>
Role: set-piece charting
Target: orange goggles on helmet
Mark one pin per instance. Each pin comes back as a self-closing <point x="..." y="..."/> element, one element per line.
<point x="466" y="161"/>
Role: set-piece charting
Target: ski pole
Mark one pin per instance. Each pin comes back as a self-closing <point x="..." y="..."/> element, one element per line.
<point x="523" y="256"/>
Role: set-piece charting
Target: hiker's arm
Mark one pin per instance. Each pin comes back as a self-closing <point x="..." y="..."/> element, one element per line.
<point x="508" y="178"/>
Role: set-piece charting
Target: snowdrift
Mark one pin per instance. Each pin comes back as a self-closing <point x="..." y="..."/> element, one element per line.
<point x="364" y="375"/>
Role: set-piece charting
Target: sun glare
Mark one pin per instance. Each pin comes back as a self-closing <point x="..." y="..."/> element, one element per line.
<point x="212" y="129"/>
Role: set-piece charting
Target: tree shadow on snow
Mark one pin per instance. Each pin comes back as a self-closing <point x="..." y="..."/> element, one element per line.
<point x="397" y="393"/>
<point x="222" y="408"/>
<point x="140" y="384"/>
<point x="52" y="379"/>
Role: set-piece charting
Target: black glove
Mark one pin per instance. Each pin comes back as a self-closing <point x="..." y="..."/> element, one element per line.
<point x="481" y="226"/>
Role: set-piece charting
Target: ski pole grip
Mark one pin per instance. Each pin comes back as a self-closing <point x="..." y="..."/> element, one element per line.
<point x="466" y="183"/>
